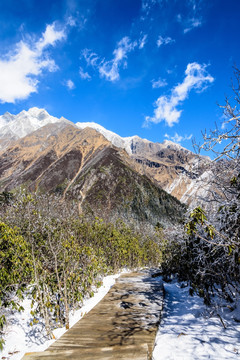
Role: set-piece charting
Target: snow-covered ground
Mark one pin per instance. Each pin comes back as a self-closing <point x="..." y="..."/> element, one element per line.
<point x="21" y="337"/>
<point x="188" y="332"/>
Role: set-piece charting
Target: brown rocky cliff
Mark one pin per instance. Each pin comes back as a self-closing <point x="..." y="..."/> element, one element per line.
<point x="48" y="157"/>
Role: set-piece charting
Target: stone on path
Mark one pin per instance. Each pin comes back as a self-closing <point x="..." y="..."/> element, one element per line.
<point x="122" y="325"/>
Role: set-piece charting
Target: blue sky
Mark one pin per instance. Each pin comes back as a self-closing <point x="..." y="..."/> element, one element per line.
<point x="153" y="68"/>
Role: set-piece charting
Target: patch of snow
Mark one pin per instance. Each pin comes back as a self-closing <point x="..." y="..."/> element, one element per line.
<point x="187" y="332"/>
<point x="198" y="190"/>
<point x="21" y="337"/>
<point x="171" y="144"/>
<point x="5" y="119"/>
<point x="115" y="139"/>
<point x="235" y="314"/>
<point x="175" y="184"/>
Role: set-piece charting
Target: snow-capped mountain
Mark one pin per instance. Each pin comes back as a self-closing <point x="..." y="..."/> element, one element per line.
<point x="22" y="124"/>
<point x="176" y="169"/>
<point x="17" y="126"/>
<point x="13" y="127"/>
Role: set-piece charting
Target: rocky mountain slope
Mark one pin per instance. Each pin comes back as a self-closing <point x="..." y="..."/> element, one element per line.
<point x="49" y="156"/>
<point x="85" y="166"/>
<point x="108" y="184"/>
<point x="176" y="169"/>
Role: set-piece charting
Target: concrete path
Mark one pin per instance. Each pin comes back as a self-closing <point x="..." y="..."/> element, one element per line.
<point x="122" y="326"/>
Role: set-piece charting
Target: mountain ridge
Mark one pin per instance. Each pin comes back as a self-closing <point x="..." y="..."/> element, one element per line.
<point x="81" y="164"/>
<point x="40" y="117"/>
<point x="174" y="168"/>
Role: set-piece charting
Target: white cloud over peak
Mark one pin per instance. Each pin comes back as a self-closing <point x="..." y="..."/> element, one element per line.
<point x="158" y="83"/>
<point x="196" y="77"/>
<point x="164" y="41"/>
<point x="20" y="67"/>
<point x="178" y="138"/>
<point x="109" y="69"/>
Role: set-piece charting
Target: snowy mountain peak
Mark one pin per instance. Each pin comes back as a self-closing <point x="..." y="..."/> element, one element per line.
<point x="35" y="111"/>
<point x="38" y="113"/>
<point x="7" y="115"/>
<point x="5" y="119"/>
<point x="172" y="144"/>
<point x="22" y="124"/>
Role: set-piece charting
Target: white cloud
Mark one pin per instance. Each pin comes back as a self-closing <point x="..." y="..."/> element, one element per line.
<point x="194" y="18"/>
<point x="164" y="41"/>
<point x="19" y="69"/>
<point x="142" y="41"/>
<point x="147" y="5"/>
<point x="179" y="18"/>
<point x="110" y="69"/>
<point x="71" y="21"/>
<point x="193" y="4"/>
<point x="196" y="77"/>
<point x="49" y="37"/>
<point x="84" y="75"/>
<point x="70" y="84"/>
<point x="178" y="138"/>
<point x="158" y="83"/>
<point x="191" y="24"/>
<point x="92" y="59"/>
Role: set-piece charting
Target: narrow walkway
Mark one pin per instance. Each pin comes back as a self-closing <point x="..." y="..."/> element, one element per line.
<point x="122" y="326"/>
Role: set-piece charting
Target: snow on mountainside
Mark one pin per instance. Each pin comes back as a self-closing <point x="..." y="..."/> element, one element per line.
<point x="22" y="124"/>
<point x="6" y="118"/>
<point x="127" y="143"/>
<point x="116" y="140"/>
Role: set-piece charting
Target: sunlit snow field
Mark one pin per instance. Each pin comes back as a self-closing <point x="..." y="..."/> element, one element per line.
<point x="189" y="332"/>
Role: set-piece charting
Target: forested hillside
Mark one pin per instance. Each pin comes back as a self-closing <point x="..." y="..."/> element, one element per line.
<point x="57" y="256"/>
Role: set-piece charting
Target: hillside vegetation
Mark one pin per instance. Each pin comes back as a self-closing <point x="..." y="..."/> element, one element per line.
<point x="59" y="257"/>
<point x="207" y="255"/>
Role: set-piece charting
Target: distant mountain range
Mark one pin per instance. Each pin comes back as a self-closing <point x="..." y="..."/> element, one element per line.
<point x="49" y="154"/>
<point x="13" y="127"/>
